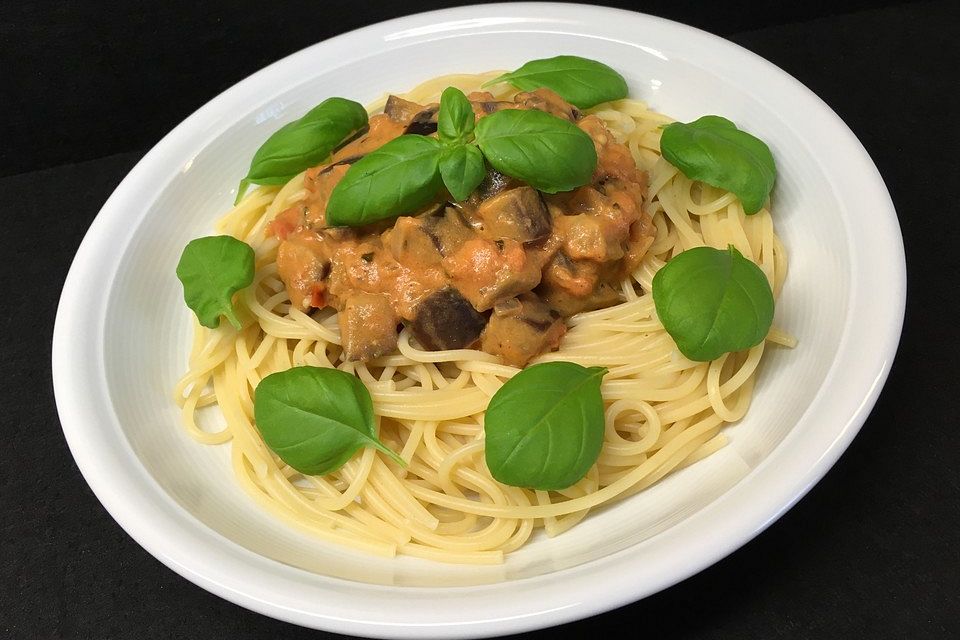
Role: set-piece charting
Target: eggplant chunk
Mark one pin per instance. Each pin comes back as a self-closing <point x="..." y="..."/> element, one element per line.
<point x="591" y="236"/>
<point x="571" y="286"/>
<point x="493" y="183"/>
<point x="544" y="99"/>
<point x="419" y="120"/>
<point x="522" y="328"/>
<point x="368" y="326"/>
<point x="447" y="229"/>
<point x="411" y="244"/>
<point x="401" y="110"/>
<point x="486" y="107"/>
<point x="303" y="263"/>
<point x="423" y="123"/>
<point x="518" y="214"/>
<point x="569" y="304"/>
<point x="485" y="270"/>
<point x="577" y="277"/>
<point x="446" y="320"/>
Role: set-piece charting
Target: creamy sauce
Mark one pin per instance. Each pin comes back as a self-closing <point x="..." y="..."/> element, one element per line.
<point x="499" y="271"/>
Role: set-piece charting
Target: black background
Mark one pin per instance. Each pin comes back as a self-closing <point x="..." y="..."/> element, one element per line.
<point x="871" y="552"/>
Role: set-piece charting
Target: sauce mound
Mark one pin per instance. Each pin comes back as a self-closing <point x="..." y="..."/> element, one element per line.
<point x="499" y="271"/>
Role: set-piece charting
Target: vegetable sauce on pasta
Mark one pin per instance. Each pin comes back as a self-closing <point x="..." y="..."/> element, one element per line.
<point x="489" y="308"/>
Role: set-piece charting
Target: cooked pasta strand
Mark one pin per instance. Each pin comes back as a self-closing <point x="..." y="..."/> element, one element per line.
<point x="663" y="412"/>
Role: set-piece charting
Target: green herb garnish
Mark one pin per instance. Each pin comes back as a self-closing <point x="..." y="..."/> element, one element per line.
<point x="399" y="177"/>
<point x="544" y="427"/>
<point x="462" y="170"/>
<point x="456" y="120"/>
<point x="712" y="301"/>
<point x="549" y="153"/>
<point x="316" y="418"/>
<point x="580" y="81"/>
<point x="461" y="163"/>
<point x="304" y="143"/>
<point x="712" y="150"/>
<point x="212" y="269"/>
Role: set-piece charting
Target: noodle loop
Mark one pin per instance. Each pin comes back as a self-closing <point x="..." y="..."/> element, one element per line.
<point x="662" y="410"/>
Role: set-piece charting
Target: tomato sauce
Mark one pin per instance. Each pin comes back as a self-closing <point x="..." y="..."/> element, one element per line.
<point x="499" y="271"/>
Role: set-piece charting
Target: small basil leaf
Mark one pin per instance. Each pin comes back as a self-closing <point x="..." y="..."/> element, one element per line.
<point x="212" y="269"/>
<point x="580" y="81"/>
<point x="316" y="418"/>
<point x="304" y="143"/>
<point x="712" y="301"/>
<point x="462" y="170"/>
<point x="456" y="119"/>
<point x="712" y="150"/>
<point x="549" y="153"/>
<point x="544" y="427"/>
<point x="399" y="177"/>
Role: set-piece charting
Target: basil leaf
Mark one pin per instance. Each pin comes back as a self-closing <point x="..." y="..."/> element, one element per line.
<point x="549" y="153"/>
<point x="304" y="143"/>
<point x="580" y="81"/>
<point x="544" y="427"/>
<point x="712" y="150"/>
<point x="212" y="269"/>
<point x="462" y="170"/>
<point x="399" y="177"/>
<point x="712" y="301"/>
<point x="456" y="119"/>
<point x="316" y="418"/>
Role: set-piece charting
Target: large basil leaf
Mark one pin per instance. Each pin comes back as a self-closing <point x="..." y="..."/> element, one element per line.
<point x="399" y="177"/>
<point x="549" y="153"/>
<point x="712" y="301"/>
<point x="462" y="170"/>
<point x="456" y="119"/>
<point x="544" y="427"/>
<point x="580" y="81"/>
<point x="316" y="418"/>
<point x="712" y="150"/>
<point x="304" y="143"/>
<point x="212" y="269"/>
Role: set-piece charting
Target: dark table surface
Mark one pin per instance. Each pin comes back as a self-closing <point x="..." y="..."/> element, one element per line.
<point x="871" y="552"/>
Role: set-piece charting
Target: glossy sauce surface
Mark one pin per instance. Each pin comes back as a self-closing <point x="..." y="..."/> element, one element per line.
<point x="499" y="271"/>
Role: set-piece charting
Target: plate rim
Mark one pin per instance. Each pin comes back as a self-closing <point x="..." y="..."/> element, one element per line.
<point x="90" y="450"/>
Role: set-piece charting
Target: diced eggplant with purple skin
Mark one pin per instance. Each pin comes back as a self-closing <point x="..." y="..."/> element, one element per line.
<point x="410" y="242"/>
<point x="544" y="99"/>
<point x="522" y="328"/>
<point x="446" y="320"/>
<point x="540" y="99"/>
<point x="368" y="326"/>
<point x="568" y="304"/>
<point x="518" y="214"/>
<point x="401" y="110"/>
<point x="577" y="277"/>
<point x="571" y="286"/>
<point x="423" y="123"/>
<point x="492" y="106"/>
<point x="446" y="228"/>
<point x="493" y="183"/>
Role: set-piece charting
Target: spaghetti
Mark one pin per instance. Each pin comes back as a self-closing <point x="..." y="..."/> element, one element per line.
<point x="663" y="412"/>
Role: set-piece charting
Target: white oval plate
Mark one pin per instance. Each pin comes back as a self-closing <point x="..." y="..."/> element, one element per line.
<point x="122" y="335"/>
